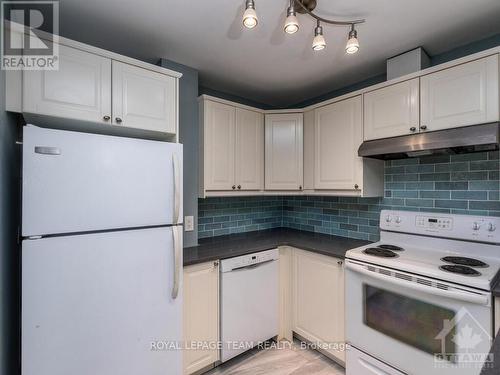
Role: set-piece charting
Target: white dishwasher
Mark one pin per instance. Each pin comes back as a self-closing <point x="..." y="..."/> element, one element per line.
<point x="249" y="301"/>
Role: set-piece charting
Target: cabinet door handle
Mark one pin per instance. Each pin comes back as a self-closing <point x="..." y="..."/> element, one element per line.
<point x="118" y="120"/>
<point x="340" y="262"/>
<point x="216" y="264"/>
<point x="356" y="186"/>
<point x="423" y="127"/>
<point x="239" y="187"/>
<point x="412" y="129"/>
<point x="233" y="187"/>
<point x="300" y="187"/>
<point x="106" y="118"/>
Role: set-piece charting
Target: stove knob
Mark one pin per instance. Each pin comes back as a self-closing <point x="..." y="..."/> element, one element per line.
<point x="398" y="219"/>
<point x="388" y="218"/>
<point x="492" y="227"/>
<point x="476" y="226"/>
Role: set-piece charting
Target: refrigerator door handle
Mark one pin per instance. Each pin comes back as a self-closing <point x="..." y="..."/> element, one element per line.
<point x="175" y="162"/>
<point x="177" y="262"/>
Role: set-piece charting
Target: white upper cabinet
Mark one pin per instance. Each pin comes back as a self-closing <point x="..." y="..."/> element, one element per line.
<point x="249" y="163"/>
<point x="463" y="95"/>
<point x="232" y="154"/>
<point x="219" y="145"/>
<point x="392" y="110"/>
<point x="338" y="135"/>
<point x="80" y="89"/>
<point x="284" y="152"/>
<point x="144" y="99"/>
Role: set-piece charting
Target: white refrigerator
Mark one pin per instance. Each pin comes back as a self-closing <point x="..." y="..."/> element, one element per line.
<point x="101" y="254"/>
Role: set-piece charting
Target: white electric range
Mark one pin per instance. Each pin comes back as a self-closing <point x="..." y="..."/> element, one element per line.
<point x="419" y="300"/>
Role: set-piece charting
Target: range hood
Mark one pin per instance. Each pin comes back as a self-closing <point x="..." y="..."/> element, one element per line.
<point x="485" y="137"/>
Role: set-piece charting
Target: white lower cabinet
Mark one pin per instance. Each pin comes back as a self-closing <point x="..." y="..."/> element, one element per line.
<point x="318" y="301"/>
<point x="201" y="314"/>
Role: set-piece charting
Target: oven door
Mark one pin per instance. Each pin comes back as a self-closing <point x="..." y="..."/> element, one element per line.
<point x="417" y="324"/>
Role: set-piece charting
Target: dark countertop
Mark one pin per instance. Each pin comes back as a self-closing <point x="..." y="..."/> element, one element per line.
<point x="232" y="245"/>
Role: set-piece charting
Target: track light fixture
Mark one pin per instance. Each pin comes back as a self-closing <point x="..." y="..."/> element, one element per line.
<point x="250" y="19"/>
<point x="291" y="25"/>
<point x="291" y="22"/>
<point x="352" y="45"/>
<point x="319" y="42"/>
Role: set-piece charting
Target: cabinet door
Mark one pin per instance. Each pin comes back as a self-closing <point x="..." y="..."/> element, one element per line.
<point x="283" y="152"/>
<point x="249" y="168"/>
<point x="338" y="135"/>
<point x="219" y="146"/>
<point x="201" y="314"/>
<point x="392" y="110"/>
<point x="80" y="89"/>
<point x="318" y="300"/>
<point x="463" y="95"/>
<point x="144" y="99"/>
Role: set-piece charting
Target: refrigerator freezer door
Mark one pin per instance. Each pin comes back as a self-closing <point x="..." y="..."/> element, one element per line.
<point x="98" y="303"/>
<point x="78" y="182"/>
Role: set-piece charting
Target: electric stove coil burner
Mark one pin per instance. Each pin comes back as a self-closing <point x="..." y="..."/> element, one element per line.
<point x="391" y="247"/>
<point x="464" y="261"/>
<point x="379" y="252"/>
<point x="458" y="269"/>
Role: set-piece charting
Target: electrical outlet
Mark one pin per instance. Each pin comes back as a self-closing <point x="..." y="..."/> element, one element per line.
<point x="188" y="223"/>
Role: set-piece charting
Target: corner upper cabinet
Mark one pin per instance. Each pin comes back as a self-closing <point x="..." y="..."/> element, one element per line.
<point x="392" y="111"/>
<point x="144" y="99"/>
<point x="80" y="89"/>
<point x="201" y="314"/>
<point x="232" y="154"/>
<point x="284" y="151"/>
<point x="338" y="133"/>
<point x="463" y="95"/>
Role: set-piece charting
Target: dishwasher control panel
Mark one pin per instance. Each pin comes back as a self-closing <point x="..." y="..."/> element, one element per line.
<point x="249" y="260"/>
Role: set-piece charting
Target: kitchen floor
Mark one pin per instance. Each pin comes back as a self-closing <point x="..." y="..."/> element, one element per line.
<point x="288" y="360"/>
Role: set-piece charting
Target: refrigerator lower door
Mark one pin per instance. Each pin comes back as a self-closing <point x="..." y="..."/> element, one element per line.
<point x="101" y="304"/>
<point x="79" y="182"/>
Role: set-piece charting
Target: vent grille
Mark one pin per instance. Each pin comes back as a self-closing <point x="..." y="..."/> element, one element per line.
<point x="403" y="276"/>
<point x="409" y="278"/>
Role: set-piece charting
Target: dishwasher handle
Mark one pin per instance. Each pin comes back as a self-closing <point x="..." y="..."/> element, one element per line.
<point x="252" y="266"/>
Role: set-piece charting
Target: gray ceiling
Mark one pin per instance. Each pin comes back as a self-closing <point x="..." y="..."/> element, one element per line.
<point x="264" y="64"/>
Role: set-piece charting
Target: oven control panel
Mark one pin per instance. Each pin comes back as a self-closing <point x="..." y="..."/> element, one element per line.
<point x="466" y="227"/>
<point x="433" y="222"/>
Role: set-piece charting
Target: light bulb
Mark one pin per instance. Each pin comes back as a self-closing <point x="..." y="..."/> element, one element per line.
<point x="250" y="19"/>
<point x="319" y="42"/>
<point x="352" y="45"/>
<point x="291" y="24"/>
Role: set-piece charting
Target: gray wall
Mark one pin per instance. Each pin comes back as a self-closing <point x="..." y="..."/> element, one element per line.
<point x="188" y="134"/>
<point x="9" y="250"/>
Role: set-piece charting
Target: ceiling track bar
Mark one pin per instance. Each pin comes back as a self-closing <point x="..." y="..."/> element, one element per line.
<point x="324" y="20"/>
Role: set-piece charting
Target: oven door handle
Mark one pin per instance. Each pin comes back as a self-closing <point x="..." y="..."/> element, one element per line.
<point x="477" y="299"/>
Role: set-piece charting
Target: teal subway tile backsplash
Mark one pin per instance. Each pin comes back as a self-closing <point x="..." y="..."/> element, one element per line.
<point x="457" y="184"/>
